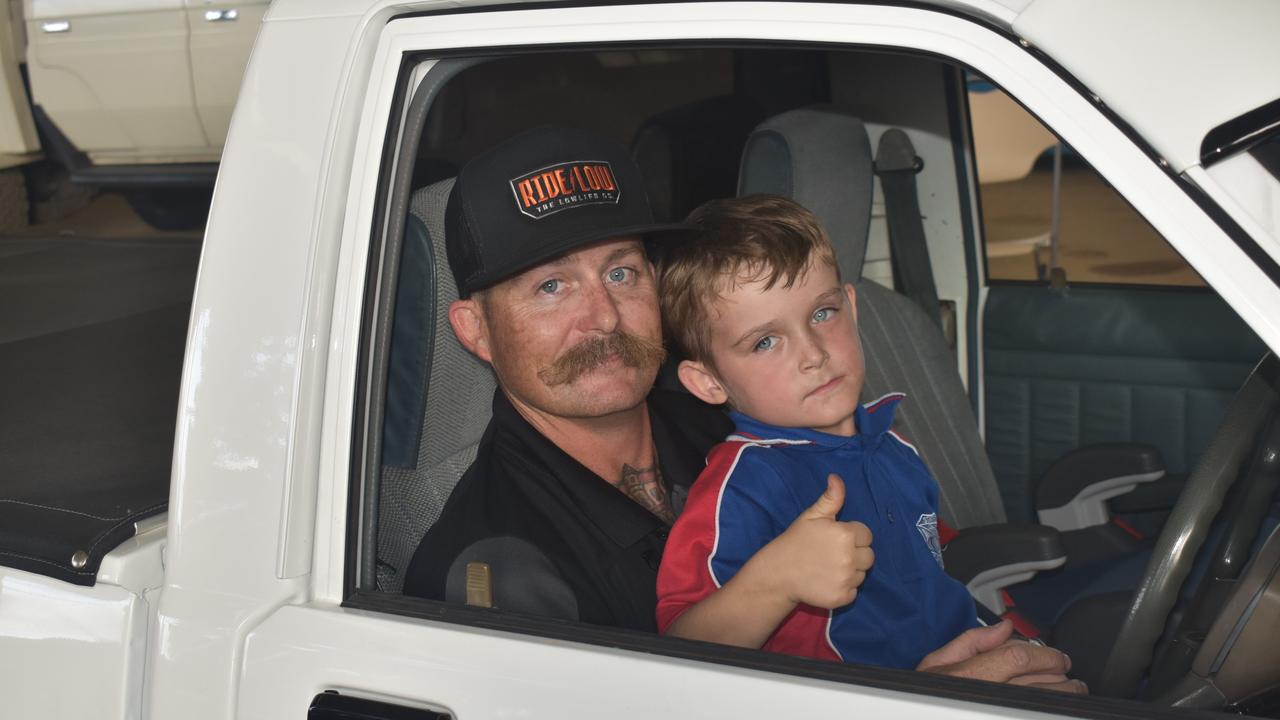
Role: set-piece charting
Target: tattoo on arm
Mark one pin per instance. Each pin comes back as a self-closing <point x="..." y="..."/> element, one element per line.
<point x="644" y="485"/>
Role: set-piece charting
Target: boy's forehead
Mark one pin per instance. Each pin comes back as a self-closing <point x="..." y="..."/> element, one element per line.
<point x="745" y="299"/>
<point x="754" y="278"/>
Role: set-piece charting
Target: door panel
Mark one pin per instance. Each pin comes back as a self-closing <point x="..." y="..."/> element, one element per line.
<point x="472" y="673"/>
<point x="118" y="84"/>
<point x="1102" y="364"/>
<point x="222" y="35"/>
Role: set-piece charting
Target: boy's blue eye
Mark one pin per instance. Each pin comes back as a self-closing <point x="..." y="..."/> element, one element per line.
<point x="549" y="287"/>
<point x="824" y="314"/>
<point x="765" y="343"/>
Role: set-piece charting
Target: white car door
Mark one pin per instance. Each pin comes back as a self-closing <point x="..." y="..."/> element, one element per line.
<point x="297" y="624"/>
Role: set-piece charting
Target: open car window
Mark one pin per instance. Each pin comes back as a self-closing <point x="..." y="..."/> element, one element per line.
<point x="1045" y="208"/>
<point x="686" y="111"/>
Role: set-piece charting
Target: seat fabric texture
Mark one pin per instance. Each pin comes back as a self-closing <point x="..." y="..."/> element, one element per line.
<point x="455" y="406"/>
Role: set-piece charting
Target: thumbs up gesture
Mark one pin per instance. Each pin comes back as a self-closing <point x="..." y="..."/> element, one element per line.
<point x="820" y="560"/>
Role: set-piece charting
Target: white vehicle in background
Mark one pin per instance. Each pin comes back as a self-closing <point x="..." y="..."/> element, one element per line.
<point x="243" y="561"/>
<point x="134" y="95"/>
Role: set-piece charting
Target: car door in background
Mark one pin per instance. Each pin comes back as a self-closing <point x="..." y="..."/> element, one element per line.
<point x="222" y="33"/>
<point x="115" y="78"/>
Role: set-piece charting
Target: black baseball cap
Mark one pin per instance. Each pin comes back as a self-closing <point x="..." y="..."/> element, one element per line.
<point x="537" y="196"/>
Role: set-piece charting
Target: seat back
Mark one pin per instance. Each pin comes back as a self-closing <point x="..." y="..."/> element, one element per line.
<point x="821" y="158"/>
<point x="439" y="396"/>
<point x="689" y="154"/>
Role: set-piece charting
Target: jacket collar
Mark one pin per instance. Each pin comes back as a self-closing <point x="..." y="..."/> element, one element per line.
<point x="872" y="420"/>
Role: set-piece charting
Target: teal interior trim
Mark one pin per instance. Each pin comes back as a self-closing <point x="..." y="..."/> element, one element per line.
<point x="1093" y="365"/>
<point x="410" y="348"/>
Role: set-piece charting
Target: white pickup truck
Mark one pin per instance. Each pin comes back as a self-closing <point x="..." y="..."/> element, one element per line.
<point x="230" y="546"/>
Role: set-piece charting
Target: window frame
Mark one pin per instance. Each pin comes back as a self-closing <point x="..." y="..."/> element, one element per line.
<point x="363" y="276"/>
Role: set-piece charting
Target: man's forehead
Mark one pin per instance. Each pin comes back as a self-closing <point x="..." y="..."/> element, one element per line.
<point x="595" y="253"/>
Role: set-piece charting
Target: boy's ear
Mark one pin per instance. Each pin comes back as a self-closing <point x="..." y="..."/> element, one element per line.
<point x="701" y="382"/>
<point x="469" y="326"/>
<point x="852" y="294"/>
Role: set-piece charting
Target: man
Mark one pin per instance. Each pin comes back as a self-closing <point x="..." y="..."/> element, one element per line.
<point x="583" y="467"/>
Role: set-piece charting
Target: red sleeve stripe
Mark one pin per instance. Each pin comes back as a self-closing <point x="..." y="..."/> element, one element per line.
<point x="946" y="533"/>
<point x="831" y="616"/>
<point x="871" y="406"/>
<point x="724" y="483"/>
<point x="902" y="440"/>
<point x="764" y="442"/>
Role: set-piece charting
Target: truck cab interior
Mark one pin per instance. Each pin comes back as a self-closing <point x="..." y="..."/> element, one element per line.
<point x="1107" y="452"/>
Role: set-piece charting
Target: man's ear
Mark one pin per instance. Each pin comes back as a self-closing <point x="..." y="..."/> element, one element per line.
<point x="469" y="326"/>
<point x="701" y="382"/>
<point x="852" y="294"/>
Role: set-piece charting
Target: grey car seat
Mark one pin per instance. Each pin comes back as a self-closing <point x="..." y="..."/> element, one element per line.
<point x="431" y="376"/>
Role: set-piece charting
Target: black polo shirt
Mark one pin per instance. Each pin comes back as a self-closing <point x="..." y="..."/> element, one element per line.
<point x="560" y="540"/>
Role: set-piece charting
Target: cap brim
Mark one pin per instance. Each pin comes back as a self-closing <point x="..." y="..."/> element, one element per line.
<point x="653" y="235"/>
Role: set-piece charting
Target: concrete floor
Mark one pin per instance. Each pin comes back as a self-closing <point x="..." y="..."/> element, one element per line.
<point x="92" y="333"/>
<point x="106" y="215"/>
<point x="99" y="265"/>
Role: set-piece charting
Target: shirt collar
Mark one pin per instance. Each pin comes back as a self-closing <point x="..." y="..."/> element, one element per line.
<point x="872" y="419"/>
<point x="615" y="514"/>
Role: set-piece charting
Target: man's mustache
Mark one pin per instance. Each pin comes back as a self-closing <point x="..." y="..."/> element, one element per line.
<point x="633" y="350"/>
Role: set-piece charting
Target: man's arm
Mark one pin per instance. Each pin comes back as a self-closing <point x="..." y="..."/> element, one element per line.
<point x="818" y="561"/>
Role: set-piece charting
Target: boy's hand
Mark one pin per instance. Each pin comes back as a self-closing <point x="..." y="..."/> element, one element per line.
<point x="819" y="560"/>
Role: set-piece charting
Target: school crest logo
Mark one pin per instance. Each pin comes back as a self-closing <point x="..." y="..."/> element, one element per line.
<point x="566" y="185"/>
<point x="928" y="527"/>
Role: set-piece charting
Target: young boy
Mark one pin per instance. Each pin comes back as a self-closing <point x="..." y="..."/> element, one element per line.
<point x="758" y="307"/>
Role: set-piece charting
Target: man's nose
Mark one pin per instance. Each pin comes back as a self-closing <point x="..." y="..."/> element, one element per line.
<point x="601" y="312"/>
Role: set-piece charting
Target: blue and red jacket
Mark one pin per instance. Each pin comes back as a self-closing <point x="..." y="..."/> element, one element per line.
<point x="762" y="477"/>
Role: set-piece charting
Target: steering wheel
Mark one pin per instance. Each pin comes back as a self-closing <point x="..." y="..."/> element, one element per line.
<point x="1186" y="529"/>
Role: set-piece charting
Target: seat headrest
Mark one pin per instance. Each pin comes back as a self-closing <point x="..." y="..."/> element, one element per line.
<point x="690" y="153"/>
<point x="821" y="158"/>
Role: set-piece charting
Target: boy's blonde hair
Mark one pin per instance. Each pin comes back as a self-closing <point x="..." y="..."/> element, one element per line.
<point x="756" y="238"/>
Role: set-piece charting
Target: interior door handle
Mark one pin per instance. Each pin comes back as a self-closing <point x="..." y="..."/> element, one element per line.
<point x="221" y="15"/>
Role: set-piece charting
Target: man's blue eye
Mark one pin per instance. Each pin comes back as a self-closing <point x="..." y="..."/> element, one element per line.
<point x="765" y="343"/>
<point x="619" y="274"/>
<point x="549" y="287"/>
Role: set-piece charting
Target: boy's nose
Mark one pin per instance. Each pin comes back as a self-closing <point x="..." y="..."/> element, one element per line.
<point x="812" y="354"/>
